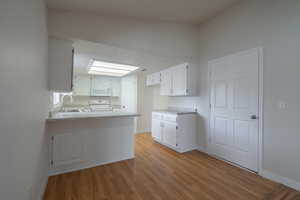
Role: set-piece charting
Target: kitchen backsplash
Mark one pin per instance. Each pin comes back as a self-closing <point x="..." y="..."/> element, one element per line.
<point x="87" y="100"/>
<point x="84" y="101"/>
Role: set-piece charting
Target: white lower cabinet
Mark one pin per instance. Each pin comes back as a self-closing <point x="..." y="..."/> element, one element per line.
<point x="169" y="134"/>
<point x="83" y="143"/>
<point x="67" y="149"/>
<point x="156" y="129"/>
<point x="177" y="131"/>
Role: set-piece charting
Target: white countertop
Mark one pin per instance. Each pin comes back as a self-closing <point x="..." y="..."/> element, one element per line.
<point x="176" y="112"/>
<point x="86" y="115"/>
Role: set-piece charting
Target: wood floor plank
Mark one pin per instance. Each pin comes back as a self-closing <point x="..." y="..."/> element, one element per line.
<point x="159" y="173"/>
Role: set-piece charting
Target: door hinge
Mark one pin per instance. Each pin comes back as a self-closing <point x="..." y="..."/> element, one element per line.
<point x="52" y="138"/>
<point x="210" y="105"/>
<point x="51" y="162"/>
<point x="187" y="91"/>
<point x="176" y="127"/>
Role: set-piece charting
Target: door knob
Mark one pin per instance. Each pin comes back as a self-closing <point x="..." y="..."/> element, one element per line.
<point x="254" y="117"/>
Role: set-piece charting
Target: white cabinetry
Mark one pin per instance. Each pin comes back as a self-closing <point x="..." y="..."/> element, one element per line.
<point x="83" y="143"/>
<point x="82" y="85"/>
<point x="169" y="133"/>
<point x="100" y="86"/>
<point x="85" y="85"/>
<point x="180" y="80"/>
<point x="68" y="149"/>
<point x="156" y="126"/>
<point x="153" y="79"/>
<point x="105" y="86"/>
<point x="60" y="65"/>
<point x="166" y="88"/>
<point x="115" y="87"/>
<point x="177" y="131"/>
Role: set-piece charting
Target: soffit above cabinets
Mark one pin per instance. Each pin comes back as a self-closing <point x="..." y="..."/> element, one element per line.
<point x="187" y="11"/>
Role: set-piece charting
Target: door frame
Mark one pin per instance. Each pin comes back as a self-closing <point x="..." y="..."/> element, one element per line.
<point x="260" y="51"/>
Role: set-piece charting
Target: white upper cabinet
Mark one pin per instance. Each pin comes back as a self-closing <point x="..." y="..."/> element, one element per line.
<point x="153" y="79"/>
<point x="166" y="83"/>
<point x="86" y="85"/>
<point x="100" y="86"/>
<point x="115" y="87"/>
<point x="105" y="86"/>
<point x="60" y="65"/>
<point x="82" y="85"/>
<point x="180" y="80"/>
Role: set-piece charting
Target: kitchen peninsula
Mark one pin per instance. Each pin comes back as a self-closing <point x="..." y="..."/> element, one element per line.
<point x="87" y="139"/>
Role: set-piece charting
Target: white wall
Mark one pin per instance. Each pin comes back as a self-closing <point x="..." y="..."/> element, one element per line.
<point x="274" y="25"/>
<point x="23" y="98"/>
<point x="150" y="44"/>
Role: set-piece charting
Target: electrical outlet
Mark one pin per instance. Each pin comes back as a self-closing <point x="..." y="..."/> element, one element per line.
<point x="282" y="105"/>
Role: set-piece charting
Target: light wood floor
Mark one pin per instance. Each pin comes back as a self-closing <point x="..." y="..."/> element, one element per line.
<point x="158" y="173"/>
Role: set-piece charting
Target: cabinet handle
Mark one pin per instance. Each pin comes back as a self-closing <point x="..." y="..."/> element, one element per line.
<point x="72" y="70"/>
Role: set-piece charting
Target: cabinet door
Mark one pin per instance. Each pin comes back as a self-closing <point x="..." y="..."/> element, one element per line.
<point x="82" y="85"/>
<point x="166" y="83"/>
<point x="67" y="149"/>
<point x="101" y="86"/>
<point x="115" y="87"/>
<point x="156" y="129"/>
<point x="60" y="65"/>
<point x="149" y="80"/>
<point x="169" y="134"/>
<point x="156" y="78"/>
<point x="179" y="80"/>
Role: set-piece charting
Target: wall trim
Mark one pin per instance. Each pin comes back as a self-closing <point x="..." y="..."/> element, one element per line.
<point x="280" y="179"/>
<point x="202" y="149"/>
<point x="91" y="165"/>
<point x="42" y="189"/>
<point x="263" y="172"/>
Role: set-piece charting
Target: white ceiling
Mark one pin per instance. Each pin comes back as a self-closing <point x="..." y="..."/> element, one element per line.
<point x="182" y="11"/>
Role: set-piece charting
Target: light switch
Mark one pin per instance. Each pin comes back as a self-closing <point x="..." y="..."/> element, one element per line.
<point x="282" y="105"/>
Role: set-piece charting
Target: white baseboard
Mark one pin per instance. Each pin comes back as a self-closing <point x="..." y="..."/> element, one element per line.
<point x="42" y="189"/>
<point x="280" y="179"/>
<point x="267" y="174"/>
<point x="202" y="149"/>
<point x="52" y="173"/>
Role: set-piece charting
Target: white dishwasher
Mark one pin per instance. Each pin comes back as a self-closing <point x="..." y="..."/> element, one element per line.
<point x="176" y="130"/>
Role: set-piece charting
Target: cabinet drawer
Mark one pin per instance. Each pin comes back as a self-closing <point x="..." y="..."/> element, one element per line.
<point x="157" y="116"/>
<point x="170" y="118"/>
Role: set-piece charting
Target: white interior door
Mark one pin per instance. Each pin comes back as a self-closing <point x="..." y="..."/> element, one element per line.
<point x="179" y="81"/>
<point x="235" y="108"/>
